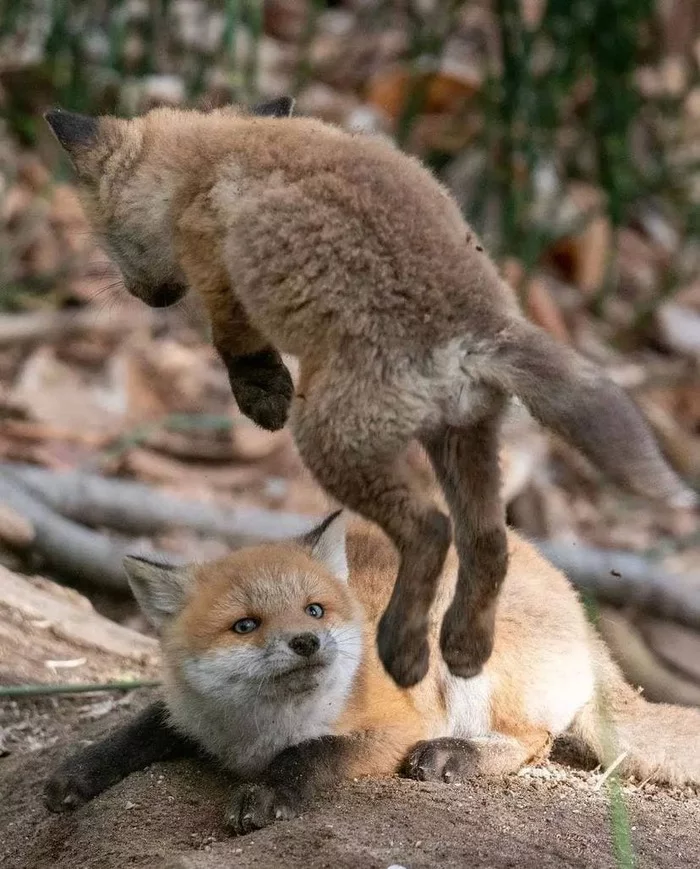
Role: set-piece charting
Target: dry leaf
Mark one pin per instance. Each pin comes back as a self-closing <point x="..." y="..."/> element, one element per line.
<point x="157" y="468"/>
<point x="447" y="92"/>
<point x="61" y="395"/>
<point x="679" y="328"/>
<point x="543" y="310"/>
<point x="285" y="19"/>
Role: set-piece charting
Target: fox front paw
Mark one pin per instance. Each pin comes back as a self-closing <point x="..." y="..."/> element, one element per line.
<point x="68" y="788"/>
<point x="262" y="387"/>
<point x="466" y="642"/>
<point x="256" y="806"/>
<point x="405" y="655"/>
<point x="440" y="760"/>
<point x="268" y="410"/>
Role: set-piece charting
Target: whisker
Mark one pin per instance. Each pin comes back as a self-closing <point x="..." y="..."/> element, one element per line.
<point x="265" y="678"/>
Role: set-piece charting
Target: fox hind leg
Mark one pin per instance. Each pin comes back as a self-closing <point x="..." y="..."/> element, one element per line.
<point x="452" y="760"/>
<point x="259" y="379"/>
<point x="145" y="739"/>
<point x="466" y="463"/>
<point x="353" y="438"/>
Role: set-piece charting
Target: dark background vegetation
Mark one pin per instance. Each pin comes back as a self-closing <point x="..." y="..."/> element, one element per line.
<point x="569" y="132"/>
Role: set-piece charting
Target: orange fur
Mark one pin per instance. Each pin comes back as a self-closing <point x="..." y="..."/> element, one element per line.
<point x="299" y="698"/>
<point x="545" y="677"/>
<point x="347" y="253"/>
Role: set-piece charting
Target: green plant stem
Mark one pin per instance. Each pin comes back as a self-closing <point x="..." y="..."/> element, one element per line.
<point x="77" y="688"/>
<point x="254" y="17"/>
<point x="233" y="22"/>
<point x="303" y="68"/>
<point x="620" y="829"/>
<point x="620" y="826"/>
<point x="427" y="44"/>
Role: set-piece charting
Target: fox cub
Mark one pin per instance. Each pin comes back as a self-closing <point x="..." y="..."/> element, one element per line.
<point x="270" y="666"/>
<point x="346" y="253"/>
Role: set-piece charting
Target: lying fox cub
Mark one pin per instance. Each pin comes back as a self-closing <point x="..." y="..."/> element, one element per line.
<point x="348" y="254"/>
<point x="270" y="666"/>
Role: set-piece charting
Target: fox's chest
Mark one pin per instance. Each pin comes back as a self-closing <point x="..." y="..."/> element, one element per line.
<point x="247" y="733"/>
<point x="269" y="729"/>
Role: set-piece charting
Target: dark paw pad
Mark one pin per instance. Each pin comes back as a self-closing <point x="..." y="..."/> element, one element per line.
<point x="405" y="656"/>
<point x="263" y="394"/>
<point x="256" y="806"/>
<point x="67" y="789"/>
<point x="441" y="760"/>
<point x="268" y="411"/>
<point x="466" y="644"/>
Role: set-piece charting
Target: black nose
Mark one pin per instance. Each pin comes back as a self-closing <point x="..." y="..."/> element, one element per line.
<point x="166" y="295"/>
<point x="305" y="645"/>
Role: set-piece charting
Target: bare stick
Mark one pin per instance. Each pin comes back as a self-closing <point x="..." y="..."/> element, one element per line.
<point x="75" y="688"/>
<point x="133" y="508"/>
<point x="623" y="578"/>
<point x="47" y="326"/>
<point x="67" y="548"/>
<point x="619" y="578"/>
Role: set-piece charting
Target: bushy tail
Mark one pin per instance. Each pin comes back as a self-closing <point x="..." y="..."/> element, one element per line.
<point x="655" y="741"/>
<point x="574" y="399"/>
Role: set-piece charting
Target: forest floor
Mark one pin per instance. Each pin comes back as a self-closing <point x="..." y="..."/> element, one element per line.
<point x="171" y="815"/>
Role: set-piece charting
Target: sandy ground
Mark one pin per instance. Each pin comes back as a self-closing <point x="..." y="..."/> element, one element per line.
<point x="171" y="814"/>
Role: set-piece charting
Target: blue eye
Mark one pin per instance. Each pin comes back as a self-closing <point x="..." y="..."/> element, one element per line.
<point x="246" y="626"/>
<point x="315" y="610"/>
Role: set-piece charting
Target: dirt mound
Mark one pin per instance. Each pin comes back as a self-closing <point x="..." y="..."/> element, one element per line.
<point x="170" y="816"/>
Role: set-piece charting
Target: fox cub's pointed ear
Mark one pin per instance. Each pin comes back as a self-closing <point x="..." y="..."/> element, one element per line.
<point x="327" y="543"/>
<point x="282" y="107"/>
<point x="160" y="589"/>
<point x="72" y="131"/>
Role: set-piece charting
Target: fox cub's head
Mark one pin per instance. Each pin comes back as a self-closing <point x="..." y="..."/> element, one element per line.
<point x="277" y="618"/>
<point x="129" y="172"/>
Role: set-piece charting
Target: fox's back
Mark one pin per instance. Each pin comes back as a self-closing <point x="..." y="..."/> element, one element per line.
<point x="542" y="639"/>
<point x="343" y="236"/>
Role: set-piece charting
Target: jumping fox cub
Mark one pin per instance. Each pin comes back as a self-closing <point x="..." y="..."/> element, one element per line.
<point x="270" y="666"/>
<point x="346" y="253"/>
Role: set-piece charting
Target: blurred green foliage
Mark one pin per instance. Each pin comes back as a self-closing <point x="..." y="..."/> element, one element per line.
<point x="563" y="92"/>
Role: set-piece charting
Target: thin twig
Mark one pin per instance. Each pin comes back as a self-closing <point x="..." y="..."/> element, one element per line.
<point x="139" y="510"/>
<point x="76" y="688"/>
<point x="610" y="770"/>
<point x="69" y="549"/>
<point x="625" y="578"/>
<point x="39" y="326"/>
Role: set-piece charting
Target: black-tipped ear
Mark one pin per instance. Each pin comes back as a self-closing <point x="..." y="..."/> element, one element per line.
<point x="311" y="538"/>
<point x="160" y="589"/>
<point x="72" y="130"/>
<point x="327" y="544"/>
<point x="282" y="107"/>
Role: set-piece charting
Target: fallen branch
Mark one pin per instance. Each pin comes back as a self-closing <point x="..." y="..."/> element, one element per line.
<point x="133" y="508"/>
<point x="623" y="578"/>
<point x="37" y="432"/>
<point x="662" y="684"/>
<point x="15" y="531"/>
<point x="68" y="549"/>
<point x="48" y="326"/>
<point x="619" y="578"/>
<point x="75" y="688"/>
<point x="47" y="629"/>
